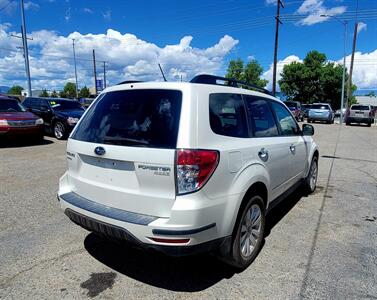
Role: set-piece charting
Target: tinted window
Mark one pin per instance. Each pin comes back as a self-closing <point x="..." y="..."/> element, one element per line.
<point x="261" y="118"/>
<point x="65" y="104"/>
<point x="11" y="106"/>
<point x="288" y="125"/>
<point x="143" y="118"/>
<point x="227" y="115"/>
<point x="320" y="106"/>
<point x="291" y="104"/>
<point x="360" y="107"/>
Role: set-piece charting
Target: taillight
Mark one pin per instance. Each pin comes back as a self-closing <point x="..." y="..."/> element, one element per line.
<point x="194" y="168"/>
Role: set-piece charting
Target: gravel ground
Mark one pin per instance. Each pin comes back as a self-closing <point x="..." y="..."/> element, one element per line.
<point x="321" y="246"/>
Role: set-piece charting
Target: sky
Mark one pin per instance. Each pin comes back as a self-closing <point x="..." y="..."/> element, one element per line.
<point x="185" y="37"/>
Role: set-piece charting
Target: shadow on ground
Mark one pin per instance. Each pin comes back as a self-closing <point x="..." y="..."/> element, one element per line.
<point x="24" y="142"/>
<point x="186" y="274"/>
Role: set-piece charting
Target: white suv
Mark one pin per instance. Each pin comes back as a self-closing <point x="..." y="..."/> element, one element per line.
<point x="185" y="167"/>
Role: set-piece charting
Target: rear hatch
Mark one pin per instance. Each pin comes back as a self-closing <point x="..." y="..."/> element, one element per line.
<point x="122" y="153"/>
<point x="360" y="111"/>
<point x="319" y="110"/>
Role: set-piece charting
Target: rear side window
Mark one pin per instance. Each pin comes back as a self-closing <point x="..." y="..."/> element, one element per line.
<point x="287" y="123"/>
<point x="227" y="115"/>
<point x="261" y="118"/>
<point x="140" y="118"/>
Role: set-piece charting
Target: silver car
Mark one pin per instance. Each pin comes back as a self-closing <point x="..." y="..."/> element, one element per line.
<point x="360" y="114"/>
<point x="321" y="112"/>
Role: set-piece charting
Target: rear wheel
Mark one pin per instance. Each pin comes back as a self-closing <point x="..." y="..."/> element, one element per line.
<point x="249" y="233"/>
<point x="311" y="180"/>
<point x="59" y="130"/>
<point x="369" y="124"/>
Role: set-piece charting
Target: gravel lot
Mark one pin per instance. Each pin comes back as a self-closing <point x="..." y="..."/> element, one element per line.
<point x="321" y="246"/>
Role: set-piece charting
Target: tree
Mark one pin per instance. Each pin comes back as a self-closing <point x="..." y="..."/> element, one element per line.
<point x="313" y="80"/>
<point x="84" y="92"/>
<point x="69" y="90"/>
<point x="54" y="94"/>
<point x="62" y="94"/>
<point x="15" y="90"/>
<point x="43" y="94"/>
<point x="249" y="73"/>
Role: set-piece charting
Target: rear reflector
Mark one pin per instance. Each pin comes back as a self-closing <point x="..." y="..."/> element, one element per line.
<point x="194" y="168"/>
<point x="170" y="241"/>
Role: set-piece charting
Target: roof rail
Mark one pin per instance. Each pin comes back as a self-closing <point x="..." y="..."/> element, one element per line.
<point x="212" y="79"/>
<point x="128" y="81"/>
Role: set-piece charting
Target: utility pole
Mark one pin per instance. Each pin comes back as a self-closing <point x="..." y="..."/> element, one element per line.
<point x="349" y="83"/>
<point x="162" y="72"/>
<point x="277" y="17"/>
<point x="95" y="72"/>
<point x="104" y="74"/>
<point x="26" y="52"/>
<point x="74" y="58"/>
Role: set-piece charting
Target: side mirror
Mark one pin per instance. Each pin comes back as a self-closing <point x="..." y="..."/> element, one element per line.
<point x="307" y="129"/>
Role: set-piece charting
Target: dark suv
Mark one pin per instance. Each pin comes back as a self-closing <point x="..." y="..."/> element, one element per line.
<point x="59" y="115"/>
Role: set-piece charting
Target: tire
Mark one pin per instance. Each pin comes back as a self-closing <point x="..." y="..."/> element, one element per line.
<point x="348" y="123"/>
<point x="251" y="230"/>
<point x="59" y="130"/>
<point x="309" y="121"/>
<point x="369" y="124"/>
<point x="310" y="182"/>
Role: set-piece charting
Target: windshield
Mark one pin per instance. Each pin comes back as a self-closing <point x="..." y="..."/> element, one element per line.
<point x="65" y="105"/>
<point x="320" y="106"/>
<point x="11" y="106"/>
<point x="140" y="118"/>
<point x="360" y="107"/>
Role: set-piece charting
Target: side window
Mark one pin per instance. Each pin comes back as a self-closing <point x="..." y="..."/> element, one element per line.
<point x="261" y="118"/>
<point x="287" y="123"/>
<point x="227" y="115"/>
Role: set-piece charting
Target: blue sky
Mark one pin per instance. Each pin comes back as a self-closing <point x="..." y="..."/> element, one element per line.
<point x="249" y="26"/>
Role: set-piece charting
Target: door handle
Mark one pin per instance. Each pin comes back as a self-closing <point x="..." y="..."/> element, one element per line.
<point x="263" y="154"/>
<point x="292" y="148"/>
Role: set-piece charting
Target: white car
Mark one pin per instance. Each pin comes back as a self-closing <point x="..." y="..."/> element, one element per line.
<point x="185" y="167"/>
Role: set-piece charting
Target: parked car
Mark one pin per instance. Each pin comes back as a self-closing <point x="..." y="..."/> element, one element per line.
<point x="337" y="113"/>
<point x="16" y="121"/>
<point x="321" y="112"/>
<point x="360" y="114"/>
<point x="306" y="108"/>
<point x="296" y="108"/>
<point x="59" y="115"/>
<point x="185" y="167"/>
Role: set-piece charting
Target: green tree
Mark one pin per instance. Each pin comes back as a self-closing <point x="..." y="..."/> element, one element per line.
<point x="15" y="90"/>
<point x="250" y="73"/>
<point x="313" y="80"/>
<point x="54" y="94"/>
<point x="43" y="94"/>
<point x="69" y="90"/>
<point x="84" y="92"/>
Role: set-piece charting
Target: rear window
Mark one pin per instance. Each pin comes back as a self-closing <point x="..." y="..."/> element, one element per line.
<point x="140" y="118"/>
<point x="360" y="107"/>
<point x="291" y="104"/>
<point x="320" y="106"/>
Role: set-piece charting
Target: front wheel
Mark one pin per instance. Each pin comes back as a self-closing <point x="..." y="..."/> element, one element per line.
<point x="311" y="180"/>
<point x="249" y="233"/>
<point x="59" y="130"/>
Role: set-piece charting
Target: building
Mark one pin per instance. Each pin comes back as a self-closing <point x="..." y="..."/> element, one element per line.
<point x="366" y="100"/>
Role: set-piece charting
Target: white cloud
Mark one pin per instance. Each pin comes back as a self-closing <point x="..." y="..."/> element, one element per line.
<point x="107" y="15"/>
<point x="314" y="9"/>
<point x="270" y="2"/>
<point x="361" y="26"/>
<point x="280" y="65"/>
<point x="87" y="10"/>
<point x="364" y="73"/>
<point x="8" y="6"/>
<point x="31" y="5"/>
<point x="67" y="16"/>
<point x="128" y="57"/>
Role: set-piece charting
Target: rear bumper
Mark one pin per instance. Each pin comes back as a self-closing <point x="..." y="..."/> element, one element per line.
<point x="22" y="131"/>
<point x="359" y="120"/>
<point x="119" y="233"/>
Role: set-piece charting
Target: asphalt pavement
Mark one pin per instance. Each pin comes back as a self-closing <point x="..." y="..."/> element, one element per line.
<point x="318" y="246"/>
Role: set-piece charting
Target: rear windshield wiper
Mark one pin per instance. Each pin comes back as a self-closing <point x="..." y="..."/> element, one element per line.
<point x="123" y="141"/>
